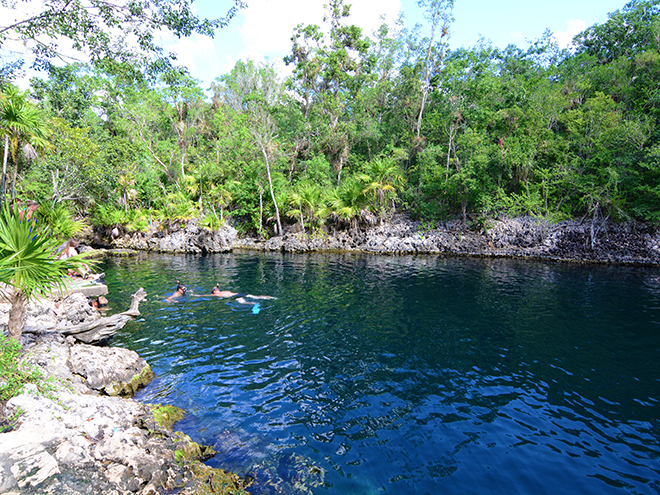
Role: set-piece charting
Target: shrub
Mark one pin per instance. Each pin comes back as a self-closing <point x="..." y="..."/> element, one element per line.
<point x="13" y="374"/>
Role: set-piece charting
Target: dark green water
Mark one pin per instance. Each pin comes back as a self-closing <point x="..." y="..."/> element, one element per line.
<point x="410" y="375"/>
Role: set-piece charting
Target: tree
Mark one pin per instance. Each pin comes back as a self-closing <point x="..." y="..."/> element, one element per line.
<point x="307" y="201"/>
<point x="439" y="13"/>
<point x="27" y="264"/>
<point x="629" y="31"/>
<point x="103" y="30"/>
<point x="265" y="134"/>
<point x="382" y="179"/>
<point x="327" y="77"/>
<point x="20" y="122"/>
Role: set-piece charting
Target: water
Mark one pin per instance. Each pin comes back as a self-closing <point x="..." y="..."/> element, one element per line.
<point x="410" y="375"/>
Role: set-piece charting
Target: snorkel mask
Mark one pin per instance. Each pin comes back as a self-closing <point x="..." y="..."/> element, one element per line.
<point x="181" y="287"/>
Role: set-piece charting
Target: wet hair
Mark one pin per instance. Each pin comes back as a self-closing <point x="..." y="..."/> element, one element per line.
<point x="181" y="287"/>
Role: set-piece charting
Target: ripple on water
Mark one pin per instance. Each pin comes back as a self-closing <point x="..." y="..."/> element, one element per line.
<point x="411" y="375"/>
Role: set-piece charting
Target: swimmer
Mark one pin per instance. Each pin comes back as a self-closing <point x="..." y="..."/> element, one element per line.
<point x="242" y="298"/>
<point x="178" y="293"/>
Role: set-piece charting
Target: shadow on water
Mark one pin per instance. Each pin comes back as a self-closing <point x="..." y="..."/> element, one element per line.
<point x="408" y="374"/>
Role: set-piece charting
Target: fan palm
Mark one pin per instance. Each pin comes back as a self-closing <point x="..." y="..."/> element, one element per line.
<point x="346" y="201"/>
<point x="28" y="264"/>
<point x="382" y="179"/>
<point x="307" y="202"/>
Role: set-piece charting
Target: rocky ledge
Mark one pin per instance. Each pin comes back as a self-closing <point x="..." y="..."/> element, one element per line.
<point x="524" y="237"/>
<point x="79" y="432"/>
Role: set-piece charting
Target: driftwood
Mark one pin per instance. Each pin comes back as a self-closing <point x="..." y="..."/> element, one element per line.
<point x="101" y="330"/>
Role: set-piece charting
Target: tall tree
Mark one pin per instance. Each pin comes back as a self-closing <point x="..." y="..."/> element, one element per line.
<point x="439" y="14"/>
<point x="328" y="74"/>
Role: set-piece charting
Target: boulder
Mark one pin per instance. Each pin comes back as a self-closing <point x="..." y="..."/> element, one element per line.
<point x="110" y="370"/>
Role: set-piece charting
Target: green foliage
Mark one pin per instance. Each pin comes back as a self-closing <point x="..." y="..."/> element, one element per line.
<point x="212" y="222"/>
<point x="179" y="207"/>
<point x="27" y="260"/>
<point x="99" y="30"/>
<point x="132" y="220"/>
<point x="22" y="126"/>
<point x="13" y="373"/>
<point x="391" y="121"/>
<point x="60" y="221"/>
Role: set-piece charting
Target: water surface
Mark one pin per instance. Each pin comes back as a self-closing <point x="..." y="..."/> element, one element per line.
<point x="410" y="375"/>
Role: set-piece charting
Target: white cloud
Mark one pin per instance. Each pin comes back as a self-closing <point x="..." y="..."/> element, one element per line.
<point x="574" y="26"/>
<point x="268" y="25"/>
<point x="194" y="52"/>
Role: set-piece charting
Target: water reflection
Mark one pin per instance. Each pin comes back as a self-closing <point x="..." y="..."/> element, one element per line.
<point x="411" y="374"/>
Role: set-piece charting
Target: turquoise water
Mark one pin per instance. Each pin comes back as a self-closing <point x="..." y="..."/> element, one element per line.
<point x="409" y="375"/>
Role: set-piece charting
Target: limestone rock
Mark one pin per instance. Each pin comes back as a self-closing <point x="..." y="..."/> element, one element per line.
<point x="188" y="239"/>
<point x="111" y="370"/>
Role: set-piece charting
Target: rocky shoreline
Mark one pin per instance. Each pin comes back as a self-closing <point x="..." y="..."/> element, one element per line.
<point x="79" y="431"/>
<point x="523" y="237"/>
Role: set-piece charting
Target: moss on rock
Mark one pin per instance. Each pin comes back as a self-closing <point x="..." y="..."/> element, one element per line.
<point x="188" y="450"/>
<point x="166" y="416"/>
<point x="212" y="481"/>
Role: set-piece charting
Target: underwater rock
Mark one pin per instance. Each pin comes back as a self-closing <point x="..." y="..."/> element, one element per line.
<point x="286" y="473"/>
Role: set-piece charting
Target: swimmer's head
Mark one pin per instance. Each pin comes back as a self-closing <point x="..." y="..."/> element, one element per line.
<point x="215" y="289"/>
<point x="181" y="287"/>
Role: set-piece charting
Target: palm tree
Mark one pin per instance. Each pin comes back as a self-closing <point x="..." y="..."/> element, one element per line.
<point x="28" y="264"/>
<point x="346" y="201"/>
<point x="382" y="179"/>
<point x="307" y="202"/>
<point x="20" y="124"/>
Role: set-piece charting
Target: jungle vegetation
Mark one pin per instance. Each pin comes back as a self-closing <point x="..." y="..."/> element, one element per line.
<point x="366" y="122"/>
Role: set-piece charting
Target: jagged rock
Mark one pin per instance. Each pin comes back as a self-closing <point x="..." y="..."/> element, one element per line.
<point x="505" y="237"/>
<point x="189" y="239"/>
<point x="111" y="370"/>
<point x="69" y="442"/>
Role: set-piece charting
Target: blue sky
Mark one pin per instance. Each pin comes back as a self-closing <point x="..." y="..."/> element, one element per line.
<point x="263" y="30"/>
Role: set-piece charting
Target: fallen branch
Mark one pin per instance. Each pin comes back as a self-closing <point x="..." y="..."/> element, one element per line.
<point x="101" y="330"/>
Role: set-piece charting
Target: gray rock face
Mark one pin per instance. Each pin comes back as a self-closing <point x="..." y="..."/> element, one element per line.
<point x="189" y="239"/>
<point x="72" y="441"/>
<point x="505" y="237"/>
<point x="111" y="370"/>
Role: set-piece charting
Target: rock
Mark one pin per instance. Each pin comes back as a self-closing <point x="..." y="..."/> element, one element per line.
<point x="70" y="442"/>
<point x="629" y="242"/>
<point x="189" y="239"/>
<point x="111" y="370"/>
<point x="286" y="472"/>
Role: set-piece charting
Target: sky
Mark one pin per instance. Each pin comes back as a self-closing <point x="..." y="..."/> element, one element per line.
<point x="262" y="31"/>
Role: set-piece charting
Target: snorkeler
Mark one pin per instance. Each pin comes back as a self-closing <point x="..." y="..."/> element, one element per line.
<point x="178" y="293"/>
<point x="242" y="298"/>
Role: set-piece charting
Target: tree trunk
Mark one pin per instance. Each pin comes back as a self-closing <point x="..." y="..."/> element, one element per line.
<point x="272" y="193"/>
<point x="4" y="170"/>
<point x="16" y="315"/>
<point x="261" y="208"/>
